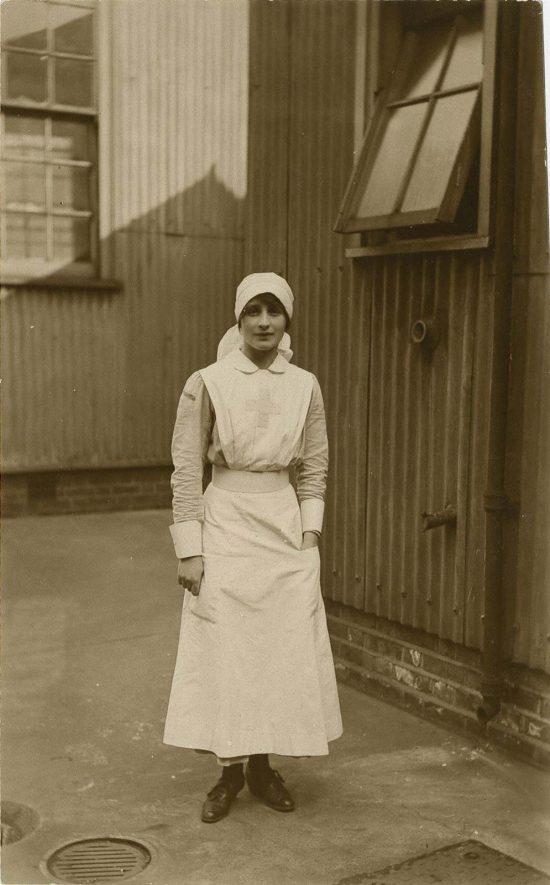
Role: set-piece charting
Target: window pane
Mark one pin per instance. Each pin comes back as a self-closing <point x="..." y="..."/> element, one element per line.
<point x="25" y="236"/>
<point x="71" y="239"/>
<point x="25" y="185"/>
<point x="466" y="63"/>
<point x="73" y="82"/>
<point x="70" y="188"/>
<point x="24" y="23"/>
<point x="70" y="140"/>
<point x="23" y="137"/>
<point x="72" y="29"/>
<point x="26" y="76"/>
<point x="400" y="137"/>
<point x="439" y="151"/>
<point x="422" y="61"/>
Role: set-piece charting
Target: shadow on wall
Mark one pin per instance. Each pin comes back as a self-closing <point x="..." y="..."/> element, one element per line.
<point x="100" y="369"/>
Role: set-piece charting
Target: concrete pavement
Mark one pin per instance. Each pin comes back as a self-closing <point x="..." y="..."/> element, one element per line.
<point x="91" y="616"/>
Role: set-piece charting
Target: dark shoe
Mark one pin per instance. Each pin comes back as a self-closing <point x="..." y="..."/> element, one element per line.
<point x="218" y="801"/>
<point x="267" y="784"/>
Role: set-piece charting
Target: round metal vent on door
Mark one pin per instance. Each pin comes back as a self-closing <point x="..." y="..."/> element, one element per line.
<point x="98" y="860"/>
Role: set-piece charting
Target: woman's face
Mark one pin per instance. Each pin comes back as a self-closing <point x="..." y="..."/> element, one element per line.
<point x="263" y="323"/>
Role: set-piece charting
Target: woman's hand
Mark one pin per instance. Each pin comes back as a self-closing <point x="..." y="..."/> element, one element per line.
<point x="310" y="539"/>
<point x="190" y="572"/>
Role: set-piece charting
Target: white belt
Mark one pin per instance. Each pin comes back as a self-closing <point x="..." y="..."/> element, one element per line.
<point x="249" y="480"/>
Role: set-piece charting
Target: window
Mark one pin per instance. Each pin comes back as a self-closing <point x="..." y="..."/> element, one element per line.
<point x="48" y="219"/>
<point x="419" y="169"/>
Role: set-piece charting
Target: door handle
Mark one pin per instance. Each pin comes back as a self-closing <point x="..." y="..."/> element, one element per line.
<point x="447" y="516"/>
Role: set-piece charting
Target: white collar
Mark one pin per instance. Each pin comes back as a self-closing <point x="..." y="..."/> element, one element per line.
<point x="241" y="362"/>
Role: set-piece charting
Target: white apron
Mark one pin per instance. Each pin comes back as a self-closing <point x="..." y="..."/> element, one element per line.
<point x="254" y="670"/>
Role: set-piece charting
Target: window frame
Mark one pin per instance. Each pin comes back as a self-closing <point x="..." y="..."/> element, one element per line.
<point x="49" y="111"/>
<point x="429" y="240"/>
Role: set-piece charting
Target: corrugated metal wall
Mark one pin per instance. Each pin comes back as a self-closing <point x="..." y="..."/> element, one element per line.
<point x="173" y="83"/>
<point x="295" y="187"/>
<point x="332" y="326"/>
<point x="176" y="133"/>
<point x="62" y="373"/>
<point x="178" y="122"/>
<point x="399" y="422"/>
<point x="420" y="428"/>
<point x="99" y="371"/>
<point x="408" y="431"/>
<point x="268" y="143"/>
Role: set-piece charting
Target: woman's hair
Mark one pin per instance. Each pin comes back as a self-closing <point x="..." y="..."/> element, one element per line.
<point x="268" y="298"/>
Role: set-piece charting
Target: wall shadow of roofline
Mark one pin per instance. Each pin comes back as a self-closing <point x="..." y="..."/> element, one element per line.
<point x="100" y="368"/>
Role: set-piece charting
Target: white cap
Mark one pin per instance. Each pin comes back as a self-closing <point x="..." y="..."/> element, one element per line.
<point x="260" y="283"/>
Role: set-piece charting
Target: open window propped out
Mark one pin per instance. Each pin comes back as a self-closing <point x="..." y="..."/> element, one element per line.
<point x="422" y="156"/>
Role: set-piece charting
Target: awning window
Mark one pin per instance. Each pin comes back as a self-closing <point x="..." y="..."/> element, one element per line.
<point x="425" y="132"/>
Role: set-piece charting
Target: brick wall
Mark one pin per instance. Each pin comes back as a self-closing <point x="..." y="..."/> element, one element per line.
<point x="81" y="491"/>
<point x="438" y="679"/>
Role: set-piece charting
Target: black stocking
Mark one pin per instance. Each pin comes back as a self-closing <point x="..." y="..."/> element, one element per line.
<point x="259" y="762"/>
<point x="233" y="774"/>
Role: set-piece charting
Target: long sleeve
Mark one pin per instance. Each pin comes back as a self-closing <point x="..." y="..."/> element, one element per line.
<point x="312" y="466"/>
<point x="192" y="433"/>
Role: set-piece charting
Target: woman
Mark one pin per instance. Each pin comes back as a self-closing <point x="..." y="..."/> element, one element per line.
<point x="254" y="672"/>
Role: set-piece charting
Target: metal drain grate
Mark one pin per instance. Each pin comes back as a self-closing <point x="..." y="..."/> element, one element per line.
<point x="98" y="860"/>
<point x="469" y="863"/>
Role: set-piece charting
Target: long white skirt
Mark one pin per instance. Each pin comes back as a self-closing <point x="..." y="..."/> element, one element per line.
<point x="254" y="670"/>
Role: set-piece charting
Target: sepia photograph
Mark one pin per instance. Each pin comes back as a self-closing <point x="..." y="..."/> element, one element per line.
<point x="275" y="387"/>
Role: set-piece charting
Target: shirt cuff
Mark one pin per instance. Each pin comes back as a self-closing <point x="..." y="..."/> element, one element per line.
<point x="312" y="510"/>
<point x="187" y="538"/>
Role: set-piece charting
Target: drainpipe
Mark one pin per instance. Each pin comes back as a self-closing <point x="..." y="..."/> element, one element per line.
<point x="495" y="499"/>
